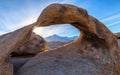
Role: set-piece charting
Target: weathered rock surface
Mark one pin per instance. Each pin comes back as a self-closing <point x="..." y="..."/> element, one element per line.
<point x="119" y="43"/>
<point x="118" y="38"/>
<point x="82" y="56"/>
<point x="32" y="46"/>
<point x="117" y="35"/>
<point x="10" y="42"/>
<point x="55" y="44"/>
<point x="18" y="62"/>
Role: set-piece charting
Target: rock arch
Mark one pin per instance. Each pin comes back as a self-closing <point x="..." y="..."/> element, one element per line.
<point x="89" y="26"/>
<point x="95" y="52"/>
<point x="96" y="45"/>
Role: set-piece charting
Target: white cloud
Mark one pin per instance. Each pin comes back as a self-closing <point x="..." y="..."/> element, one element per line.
<point x="17" y="19"/>
<point x="2" y="32"/>
<point x="111" y="17"/>
<point x="114" y="23"/>
<point x="112" y="20"/>
<point x="69" y="1"/>
<point x="27" y="21"/>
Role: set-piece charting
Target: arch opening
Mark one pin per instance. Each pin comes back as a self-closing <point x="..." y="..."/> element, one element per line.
<point x="57" y="35"/>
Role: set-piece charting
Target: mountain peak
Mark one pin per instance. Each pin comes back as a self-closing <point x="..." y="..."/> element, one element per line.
<point x="56" y="37"/>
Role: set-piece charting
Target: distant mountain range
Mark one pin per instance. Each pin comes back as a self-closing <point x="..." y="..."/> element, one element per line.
<point x="60" y="38"/>
<point x="55" y="44"/>
<point x="55" y="41"/>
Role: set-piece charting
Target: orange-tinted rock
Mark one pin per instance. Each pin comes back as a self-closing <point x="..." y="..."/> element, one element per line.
<point x="95" y="52"/>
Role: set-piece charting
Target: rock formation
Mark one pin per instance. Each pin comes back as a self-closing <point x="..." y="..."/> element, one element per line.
<point x="19" y="61"/>
<point x="55" y="44"/>
<point x="10" y="42"/>
<point x="117" y="35"/>
<point x="95" y="52"/>
<point x="119" y="43"/>
<point x="118" y="38"/>
<point x="32" y="46"/>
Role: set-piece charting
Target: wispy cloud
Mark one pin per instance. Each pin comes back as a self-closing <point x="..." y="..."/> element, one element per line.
<point x="11" y="25"/>
<point x="68" y="1"/>
<point x="112" y="20"/>
<point x="111" y="17"/>
<point x="18" y="18"/>
<point x="114" y="23"/>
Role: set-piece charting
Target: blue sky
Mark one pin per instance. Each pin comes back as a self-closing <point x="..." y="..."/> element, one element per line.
<point x="15" y="14"/>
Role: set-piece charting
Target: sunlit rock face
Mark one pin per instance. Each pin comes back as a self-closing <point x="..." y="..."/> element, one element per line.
<point x="95" y="52"/>
<point x="10" y="42"/>
<point x="32" y="46"/>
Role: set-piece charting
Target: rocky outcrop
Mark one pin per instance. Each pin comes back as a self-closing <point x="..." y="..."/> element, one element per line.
<point x="20" y="42"/>
<point x="119" y="43"/>
<point x="10" y="42"/>
<point x="55" y="44"/>
<point x="32" y="46"/>
<point x="82" y="56"/>
<point x="118" y="38"/>
<point x="117" y="35"/>
<point x="18" y="62"/>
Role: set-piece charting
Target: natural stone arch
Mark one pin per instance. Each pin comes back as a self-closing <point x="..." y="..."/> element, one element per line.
<point x="103" y="52"/>
<point x="89" y="26"/>
<point x="95" y="52"/>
